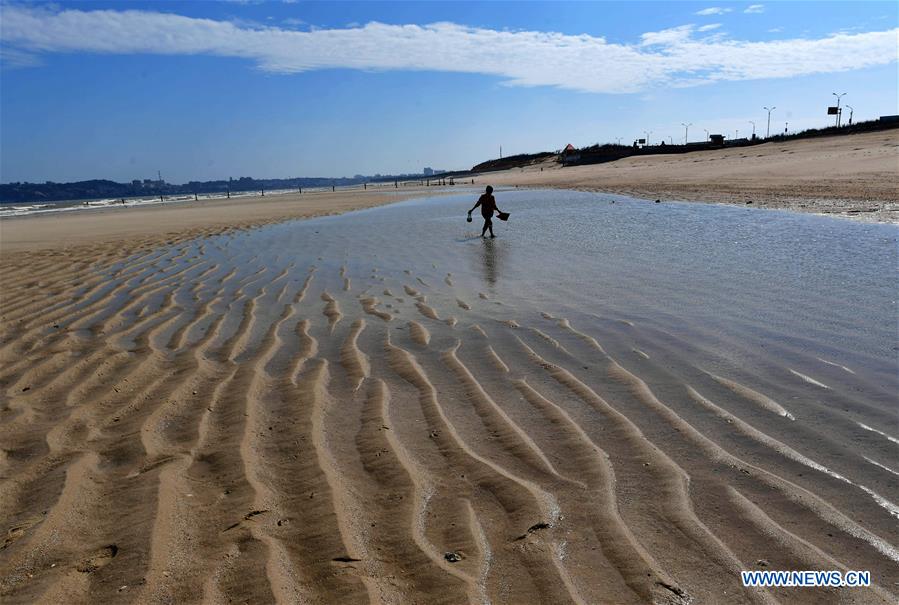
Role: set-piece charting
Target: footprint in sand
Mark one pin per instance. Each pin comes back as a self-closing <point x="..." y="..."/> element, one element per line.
<point x="19" y="530"/>
<point x="98" y="559"/>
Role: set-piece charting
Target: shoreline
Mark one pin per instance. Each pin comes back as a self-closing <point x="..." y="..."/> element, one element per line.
<point x="886" y="212"/>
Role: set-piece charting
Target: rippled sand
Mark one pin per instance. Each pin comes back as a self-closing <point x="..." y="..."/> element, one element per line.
<point x="218" y="421"/>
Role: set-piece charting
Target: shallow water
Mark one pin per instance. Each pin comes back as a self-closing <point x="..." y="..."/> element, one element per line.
<point x="802" y="308"/>
<point x="743" y="277"/>
<point x="612" y="401"/>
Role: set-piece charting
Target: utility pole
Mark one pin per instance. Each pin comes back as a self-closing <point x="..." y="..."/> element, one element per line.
<point x="768" y="131"/>
<point x="753" y="128"/>
<point x="647" y="133"/>
<point x="850" y="114"/>
<point x="736" y="135"/>
<point x="706" y="135"/>
<point x="500" y="152"/>
<point x="786" y="127"/>
<point x="619" y="140"/>
<point x="839" y="111"/>
<point x="686" y="130"/>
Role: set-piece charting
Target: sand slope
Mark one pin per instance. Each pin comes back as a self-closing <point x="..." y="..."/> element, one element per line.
<point x="185" y="428"/>
<point x="854" y="174"/>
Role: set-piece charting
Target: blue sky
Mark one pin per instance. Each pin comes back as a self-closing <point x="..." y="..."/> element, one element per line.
<point x="206" y="90"/>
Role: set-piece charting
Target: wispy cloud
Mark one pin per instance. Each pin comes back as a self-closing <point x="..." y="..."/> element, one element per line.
<point x="671" y="57"/>
<point x="708" y="28"/>
<point x="755" y="9"/>
<point x="11" y="58"/>
<point x="713" y="10"/>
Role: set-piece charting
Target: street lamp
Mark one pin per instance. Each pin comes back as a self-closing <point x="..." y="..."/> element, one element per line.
<point x="686" y="130"/>
<point x="768" y="131"/>
<point x="850" y="114"/>
<point x="753" y="128"/>
<point x="838" y="96"/>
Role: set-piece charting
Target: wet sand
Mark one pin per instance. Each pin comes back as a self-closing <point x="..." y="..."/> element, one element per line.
<point x="284" y="415"/>
<point x="855" y="176"/>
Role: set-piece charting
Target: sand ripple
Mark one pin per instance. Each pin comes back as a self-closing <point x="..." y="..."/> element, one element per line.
<point x="184" y="424"/>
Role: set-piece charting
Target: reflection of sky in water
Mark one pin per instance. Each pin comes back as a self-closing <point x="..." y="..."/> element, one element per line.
<point x="728" y="273"/>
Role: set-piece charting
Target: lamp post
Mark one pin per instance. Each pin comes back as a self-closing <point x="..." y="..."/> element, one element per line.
<point x="736" y="135"/>
<point x="706" y="135"/>
<point x="838" y="96"/>
<point x="686" y="130"/>
<point x="753" y="128"/>
<point x="850" y="114"/>
<point x="786" y="127"/>
<point x="768" y="131"/>
<point x="647" y="133"/>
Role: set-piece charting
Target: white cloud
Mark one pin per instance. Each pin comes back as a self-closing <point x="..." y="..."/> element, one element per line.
<point x="755" y="9"/>
<point x="775" y="30"/>
<point x="670" y="36"/>
<point x="672" y="57"/>
<point x="713" y="10"/>
<point x="708" y="28"/>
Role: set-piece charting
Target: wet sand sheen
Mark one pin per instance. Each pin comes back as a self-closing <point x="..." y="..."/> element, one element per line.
<point x="220" y="420"/>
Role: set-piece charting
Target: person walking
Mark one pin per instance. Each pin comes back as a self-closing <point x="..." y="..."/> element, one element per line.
<point x="488" y="206"/>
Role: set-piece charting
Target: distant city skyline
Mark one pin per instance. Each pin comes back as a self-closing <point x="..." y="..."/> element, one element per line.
<point x="208" y="90"/>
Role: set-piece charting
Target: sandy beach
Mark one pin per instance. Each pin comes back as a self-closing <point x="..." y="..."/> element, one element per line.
<point x="855" y="176"/>
<point x="183" y="219"/>
<point x="355" y="409"/>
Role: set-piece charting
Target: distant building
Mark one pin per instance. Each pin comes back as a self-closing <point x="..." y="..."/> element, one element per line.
<point x="427" y="171"/>
<point x="570" y="154"/>
<point x="135" y="183"/>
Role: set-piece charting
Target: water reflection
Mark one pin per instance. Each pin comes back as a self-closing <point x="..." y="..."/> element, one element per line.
<point x="490" y="257"/>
